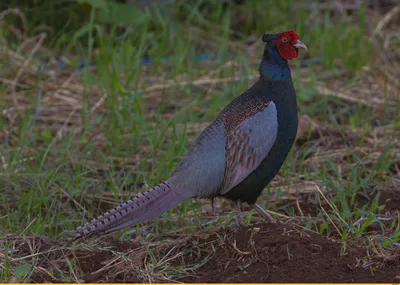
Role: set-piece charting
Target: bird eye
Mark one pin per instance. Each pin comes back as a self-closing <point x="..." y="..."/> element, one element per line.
<point x="284" y="40"/>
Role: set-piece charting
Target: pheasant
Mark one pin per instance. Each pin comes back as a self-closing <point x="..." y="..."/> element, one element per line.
<point x="236" y="156"/>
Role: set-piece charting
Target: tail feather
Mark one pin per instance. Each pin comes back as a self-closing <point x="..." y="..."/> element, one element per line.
<point x="141" y="208"/>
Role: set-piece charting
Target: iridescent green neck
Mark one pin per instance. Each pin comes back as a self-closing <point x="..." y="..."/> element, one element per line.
<point x="273" y="66"/>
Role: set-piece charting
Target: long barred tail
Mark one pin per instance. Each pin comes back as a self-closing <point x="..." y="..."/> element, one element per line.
<point x="141" y="208"/>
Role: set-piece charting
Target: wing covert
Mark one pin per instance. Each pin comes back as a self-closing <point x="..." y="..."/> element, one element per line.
<point x="248" y="143"/>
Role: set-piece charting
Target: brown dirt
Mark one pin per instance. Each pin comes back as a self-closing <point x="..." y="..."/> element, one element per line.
<point x="260" y="253"/>
<point x="282" y="253"/>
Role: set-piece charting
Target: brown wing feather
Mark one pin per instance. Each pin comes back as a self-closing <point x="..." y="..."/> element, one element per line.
<point x="240" y="158"/>
<point x="245" y="149"/>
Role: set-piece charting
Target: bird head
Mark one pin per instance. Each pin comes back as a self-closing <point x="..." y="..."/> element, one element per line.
<point x="287" y="43"/>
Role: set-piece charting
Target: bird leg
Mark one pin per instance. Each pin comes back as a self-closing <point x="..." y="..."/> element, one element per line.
<point x="239" y="217"/>
<point x="264" y="214"/>
<point x="212" y="205"/>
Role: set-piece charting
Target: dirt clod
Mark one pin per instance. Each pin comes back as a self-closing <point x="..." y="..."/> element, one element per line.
<point x="282" y="253"/>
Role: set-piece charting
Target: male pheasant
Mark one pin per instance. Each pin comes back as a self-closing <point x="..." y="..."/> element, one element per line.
<point x="236" y="156"/>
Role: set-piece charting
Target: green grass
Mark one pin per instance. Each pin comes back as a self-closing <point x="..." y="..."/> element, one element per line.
<point x="134" y="138"/>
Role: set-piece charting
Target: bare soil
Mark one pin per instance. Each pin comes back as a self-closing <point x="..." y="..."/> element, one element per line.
<point x="260" y="253"/>
<point x="282" y="253"/>
<point x="263" y="252"/>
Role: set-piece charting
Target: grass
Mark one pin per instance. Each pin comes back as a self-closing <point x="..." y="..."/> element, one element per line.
<point x="74" y="145"/>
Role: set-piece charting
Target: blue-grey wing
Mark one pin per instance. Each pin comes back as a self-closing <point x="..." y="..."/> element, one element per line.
<point x="247" y="144"/>
<point x="201" y="171"/>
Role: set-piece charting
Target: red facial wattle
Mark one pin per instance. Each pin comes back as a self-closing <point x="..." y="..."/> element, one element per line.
<point x="285" y="43"/>
<point x="288" y="51"/>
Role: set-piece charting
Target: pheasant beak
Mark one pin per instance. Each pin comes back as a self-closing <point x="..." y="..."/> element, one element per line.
<point x="300" y="44"/>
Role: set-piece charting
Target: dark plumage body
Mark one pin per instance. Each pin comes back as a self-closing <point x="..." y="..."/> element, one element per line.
<point x="251" y="187"/>
<point x="236" y="156"/>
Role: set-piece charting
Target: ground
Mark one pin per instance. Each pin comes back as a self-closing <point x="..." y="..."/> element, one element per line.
<point x="259" y="253"/>
<point x="262" y="252"/>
